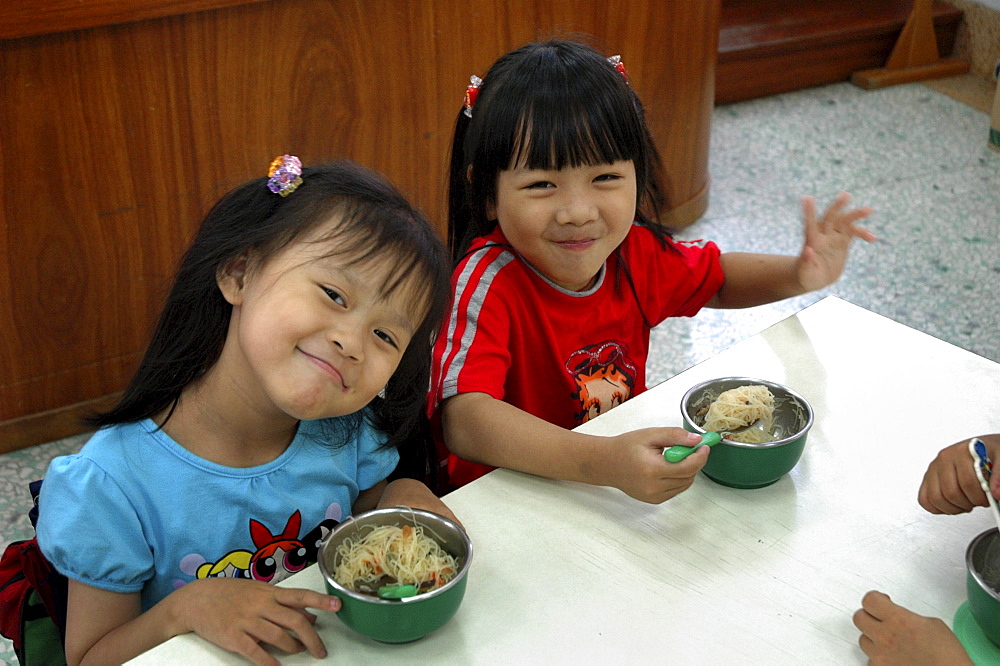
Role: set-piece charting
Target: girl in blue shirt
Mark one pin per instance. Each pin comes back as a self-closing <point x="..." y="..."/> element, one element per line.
<point x="290" y="362"/>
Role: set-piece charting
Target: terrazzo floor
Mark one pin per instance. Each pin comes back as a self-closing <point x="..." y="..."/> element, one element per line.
<point x="915" y="155"/>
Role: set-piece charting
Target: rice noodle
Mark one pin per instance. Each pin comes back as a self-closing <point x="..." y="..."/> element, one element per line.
<point x="405" y="554"/>
<point x="741" y="407"/>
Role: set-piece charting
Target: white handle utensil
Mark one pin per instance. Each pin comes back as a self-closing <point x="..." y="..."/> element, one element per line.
<point x="984" y="470"/>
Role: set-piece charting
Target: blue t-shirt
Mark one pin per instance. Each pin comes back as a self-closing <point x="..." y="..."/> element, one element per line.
<point x="135" y="511"/>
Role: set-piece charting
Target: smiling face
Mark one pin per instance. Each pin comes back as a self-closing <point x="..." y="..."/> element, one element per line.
<point x="566" y="222"/>
<point x="312" y="335"/>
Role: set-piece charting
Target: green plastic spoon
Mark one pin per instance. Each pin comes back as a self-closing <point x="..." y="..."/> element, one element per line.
<point x="678" y="453"/>
<point x="397" y="591"/>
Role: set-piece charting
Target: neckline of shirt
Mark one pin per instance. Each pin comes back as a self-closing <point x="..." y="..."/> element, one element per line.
<point x="184" y="454"/>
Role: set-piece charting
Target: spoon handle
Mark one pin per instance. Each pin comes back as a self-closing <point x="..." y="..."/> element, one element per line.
<point x="984" y="469"/>
<point x="678" y="453"/>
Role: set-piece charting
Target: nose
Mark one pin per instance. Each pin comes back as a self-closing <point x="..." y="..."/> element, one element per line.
<point x="577" y="209"/>
<point x="348" y="340"/>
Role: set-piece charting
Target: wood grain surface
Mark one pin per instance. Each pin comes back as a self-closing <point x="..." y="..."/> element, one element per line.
<point x="117" y="138"/>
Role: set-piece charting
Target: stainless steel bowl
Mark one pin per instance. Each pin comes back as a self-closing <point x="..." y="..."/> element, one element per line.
<point x="395" y="621"/>
<point x="742" y="465"/>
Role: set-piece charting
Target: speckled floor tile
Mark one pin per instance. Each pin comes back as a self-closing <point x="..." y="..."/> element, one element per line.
<point x="916" y="156"/>
<point x="17" y="470"/>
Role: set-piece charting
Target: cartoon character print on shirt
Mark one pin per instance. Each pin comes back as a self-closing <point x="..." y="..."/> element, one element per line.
<point x="234" y="564"/>
<point x="277" y="556"/>
<point x="604" y="376"/>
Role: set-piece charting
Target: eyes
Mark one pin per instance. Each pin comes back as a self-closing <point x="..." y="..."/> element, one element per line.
<point x="339" y="300"/>
<point x="335" y="296"/>
<point x="544" y="184"/>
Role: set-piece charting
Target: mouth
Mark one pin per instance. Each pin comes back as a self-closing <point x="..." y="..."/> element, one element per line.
<point x="326" y="368"/>
<point x="576" y="243"/>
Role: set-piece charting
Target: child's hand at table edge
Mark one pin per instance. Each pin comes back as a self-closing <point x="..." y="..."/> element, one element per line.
<point x="645" y="475"/>
<point x="891" y="634"/>
<point x="950" y="485"/>
<point x="827" y="240"/>
<point x="242" y="615"/>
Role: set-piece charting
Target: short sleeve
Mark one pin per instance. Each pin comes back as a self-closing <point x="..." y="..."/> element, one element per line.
<point x="375" y="460"/>
<point x="472" y="354"/>
<point x="89" y="530"/>
<point x="679" y="279"/>
<point x="482" y="365"/>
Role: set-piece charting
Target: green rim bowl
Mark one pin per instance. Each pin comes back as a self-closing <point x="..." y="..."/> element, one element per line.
<point x="984" y="601"/>
<point x="740" y="465"/>
<point x="399" y="621"/>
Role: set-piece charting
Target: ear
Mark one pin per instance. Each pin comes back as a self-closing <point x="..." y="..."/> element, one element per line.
<point x="230" y="279"/>
<point x="468" y="173"/>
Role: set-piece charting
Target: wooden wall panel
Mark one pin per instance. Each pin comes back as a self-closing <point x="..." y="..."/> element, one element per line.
<point x="21" y="18"/>
<point x="116" y="140"/>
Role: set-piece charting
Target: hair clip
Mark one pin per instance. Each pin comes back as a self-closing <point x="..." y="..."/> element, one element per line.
<point x="285" y="175"/>
<point x="471" y="93"/>
<point x="616" y="62"/>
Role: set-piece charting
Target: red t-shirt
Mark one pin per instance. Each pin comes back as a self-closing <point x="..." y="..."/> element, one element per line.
<point x="563" y="356"/>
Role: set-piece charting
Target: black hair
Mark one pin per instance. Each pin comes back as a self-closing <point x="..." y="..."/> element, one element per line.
<point x="376" y="224"/>
<point x="548" y="105"/>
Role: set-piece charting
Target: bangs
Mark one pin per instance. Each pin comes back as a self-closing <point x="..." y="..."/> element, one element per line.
<point x="569" y="136"/>
<point x="570" y="117"/>
<point x="389" y="243"/>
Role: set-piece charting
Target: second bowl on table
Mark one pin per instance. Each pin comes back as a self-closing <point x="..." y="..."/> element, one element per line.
<point x="741" y="465"/>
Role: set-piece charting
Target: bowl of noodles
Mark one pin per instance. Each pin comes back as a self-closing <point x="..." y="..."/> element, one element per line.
<point x="400" y="573"/>
<point x="763" y="426"/>
<point x="982" y="582"/>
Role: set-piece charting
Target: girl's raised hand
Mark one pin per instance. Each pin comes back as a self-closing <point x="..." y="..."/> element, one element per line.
<point x="243" y="615"/>
<point x="827" y="240"/>
<point x="645" y="475"/>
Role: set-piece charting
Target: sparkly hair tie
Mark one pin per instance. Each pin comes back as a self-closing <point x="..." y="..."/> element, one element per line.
<point x="471" y="93"/>
<point x="616" y="62"/>
<point x="285" y="175"/>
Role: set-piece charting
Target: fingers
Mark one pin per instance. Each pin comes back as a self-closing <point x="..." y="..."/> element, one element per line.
<point x="662" y="438"/>
<point x="867" y="645"/>
<point x="838" y="218"/>
<point x="950" y="485"/>
<point x="290" y="616"/>
<point x="867" y="619"/>
<point x="942" y="493"/>
<point x="877" y="604"/>
<point x="834" y="209"/>
<point x="648" y="477"/>
<point x="809" y="210"/>
<point x="288" y="629"/>
<point x="251" y="649"/>
<point x="675" y="478"/>
<point x="868" y="626"/>
<point x="300" y="598"/>
<point x="687" y="467"/>
<point x="273" y="634"/>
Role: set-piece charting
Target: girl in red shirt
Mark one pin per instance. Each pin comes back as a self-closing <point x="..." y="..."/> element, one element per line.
<point x="563" y="267"/>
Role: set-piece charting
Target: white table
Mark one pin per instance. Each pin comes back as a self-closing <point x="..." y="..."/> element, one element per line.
<point x="565" y="572"/>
